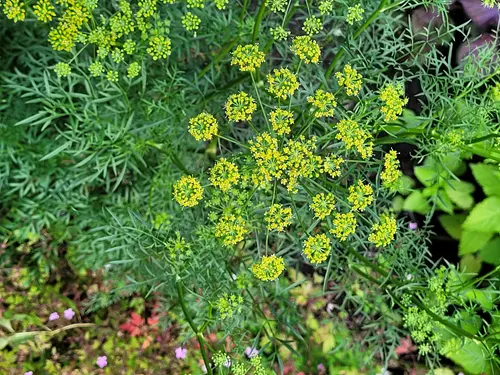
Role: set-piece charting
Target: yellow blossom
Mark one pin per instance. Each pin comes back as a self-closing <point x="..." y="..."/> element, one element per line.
<point x="269" y="268"/>
<point x="231" y="229"/>
<point x="306" y="49"/>
<point x="350" y="79"/>
<point x="300" y="162"/>
<point x="383" y="232"/>
<point x="354" y="14"/>
<point x="44" y="10"/>
<point x="224" y="174"/>
<point x="240" y="107"/>
<point x="203" y="126"/>
<point x="317" y="248"/>
<point x="281" y="121"/>
<point x="188" y="191"/>
<point x="391" y="173"/>
<point x="360" y="196"/>
<point x="331" y="165"/>
<point x="248" y="57"/>
<point x="14" y="10"/>
<point x="394" y="100"/>
<point x="312" y="25"/>
<point x="228" y="305"/>
<point x="323" y="102"/>
<point x="190" y="21"/>
<point x="323" y="205"/>
<point x="278" y="217"/>
<point x="159" y="47"/>
<point x="282" y="83"/>
<point x="353" y="136"/>
<point x="343" y="225"/>
<point x="270" y="161"/>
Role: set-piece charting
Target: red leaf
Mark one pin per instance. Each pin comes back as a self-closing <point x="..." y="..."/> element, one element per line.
<point x="137" y="320"/>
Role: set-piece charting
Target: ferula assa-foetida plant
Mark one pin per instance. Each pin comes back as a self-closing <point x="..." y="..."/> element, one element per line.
<point x="206" y="152"/>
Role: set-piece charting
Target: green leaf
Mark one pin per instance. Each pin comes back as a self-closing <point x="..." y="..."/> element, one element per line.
<point x="460" y="193"/>
<point x="470" y="321"/>
<point x="488" y="176"/>
<point x="484" y="298"/>
<point x="470" y="264"/>
<point x="491" y="252"/>
<point x="485" y="216"/>
<point x="444" y="202"/>
<point x="416" y="202"/>
<point x="470" y="355"/>
<point x="452" y="224"/>
<point x="426" y="174"/>
<point x="3" y="342"/>
<point x="472" y="241"/>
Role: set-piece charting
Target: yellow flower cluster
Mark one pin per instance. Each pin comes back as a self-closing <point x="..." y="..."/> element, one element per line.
<point x="269" y="268"/>
<point x="279" y="33"/>
<point x="278" y="217"/>
<point x="159" y="47"/>
<point x="282" y="83"/>
<point x="224" y="174"/>
<point x="178" y="247"/>
<point x="383" y="232"/>
<point x="331" y="165"/>
<point x="269" y="160"/>
<point x="323" y="205"/>
<point x="203" y="126"/>
<point x="354" y="14"/>
<point x="325" y="7"/>
<point x="306" y="49"/>
<point x="188" y="191"/>
<point x="228" y="305"/>
<point x="394" y="100"/>
<point x="248" y="57"/>
<point x="343" y="226"/>
<point x="195" y="4"/>
<point x="301" y="162"/>
<point x="360" y="196"/>
<point x="350" y="79"/>
<point x="14" y="10"/>
<point x="323" y="102"/>
<point x="231" y="229"/>
<point x="190" y="21"/>
<point x="353" y="136"/>
<point x="281" y="121"/>
<point x="312" y="25"/>
<point x="44" y="10"/>
<point x="317" y="248"/>
<point x="221" y="4"/>
<point x="240" y="107"/>
<point x="77" y="13"/>
<point x="277" y="5"/>
<point x="62" y="69"/>
<point x="391" y="173"/>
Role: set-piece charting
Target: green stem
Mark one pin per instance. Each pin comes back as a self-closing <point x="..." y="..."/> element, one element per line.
<point x="199" y="335"/>
<point x="258" y="21"/>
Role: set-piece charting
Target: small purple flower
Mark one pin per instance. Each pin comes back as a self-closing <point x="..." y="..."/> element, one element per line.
<point x="28" y="373"/>
<point x="53" y="316"/>
<point x="251" y="352"/>
<point x="227" y="363"/>
<point x="204" y="369"/>
<point x="412" y="225"/>
<point x="69" y="314"/>
<point x="321" y="367"/>
<point x="180" y="353"/>
<point x="102" y="361"/>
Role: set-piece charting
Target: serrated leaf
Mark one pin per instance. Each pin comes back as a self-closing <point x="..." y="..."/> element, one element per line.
<point x="491" y="252"/>
<point x="452" y="224"/>
<point x="459" y="193"/>
<point x="485" y="216"/>
<point x="470" y="355"/>
<point x="416" y="202"/>
<point x="488" y="176"/>
<point x="472" y="241"/>
<point x="481" y="297"/>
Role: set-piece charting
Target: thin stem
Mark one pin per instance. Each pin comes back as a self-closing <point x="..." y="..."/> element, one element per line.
<point x="258" y="20"/>
<point x="259" y="100"/>
<point x="199" y="335"/>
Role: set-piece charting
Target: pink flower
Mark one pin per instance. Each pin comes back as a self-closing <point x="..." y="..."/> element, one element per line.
<point x="204" y="369"/>
<point x="412" y="225"/>
<point x="102" y="361"/>
<point x="28" y="373"/>
<point x="180" y="353"/>
<point x="69" y="314"/>
<point x="53" y="316"/>
<point x="321" y="367"/>
<point x="251" y="352"/>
